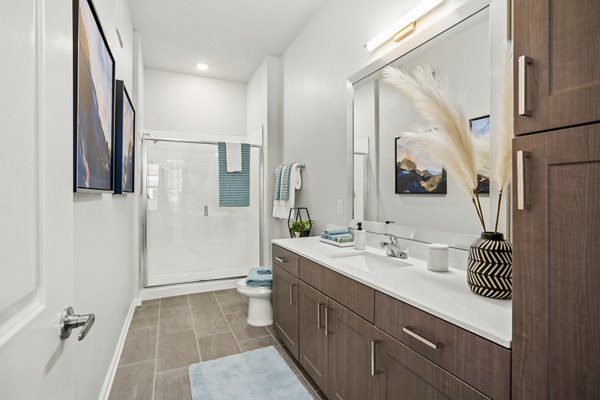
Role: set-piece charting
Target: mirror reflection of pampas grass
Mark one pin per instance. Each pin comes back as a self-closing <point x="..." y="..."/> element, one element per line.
<point x="448" y="137"/>
<point x="502" y="170"/>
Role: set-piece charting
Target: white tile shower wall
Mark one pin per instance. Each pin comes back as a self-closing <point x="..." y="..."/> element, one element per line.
<point x="190" y="237"/>
<point x="315" y="69"/>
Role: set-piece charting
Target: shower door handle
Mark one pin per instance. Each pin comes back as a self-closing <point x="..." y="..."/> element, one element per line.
<point x="206" y="211"/>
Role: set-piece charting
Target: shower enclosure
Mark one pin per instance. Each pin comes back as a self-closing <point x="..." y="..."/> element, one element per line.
<point x="187" y="237"/>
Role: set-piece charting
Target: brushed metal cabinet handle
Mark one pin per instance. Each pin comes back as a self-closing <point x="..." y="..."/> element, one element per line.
<point x="281" y="260"/>
<point x="410" y="331"/>
<point x="374" y="370"/>
<point x="522" y="196"/>
<point x="319" y="322"/>
<point x="524" y="108"/>
<point x="292" y="293"/>
<point x="326" y="320"/>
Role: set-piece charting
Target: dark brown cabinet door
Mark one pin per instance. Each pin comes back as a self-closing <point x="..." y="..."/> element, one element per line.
<point x="313" y="338"/>
<point x="349" y="375"/>
<point x="562" y="82"/>
<point x="556" y="265"/>
<point x="403" y="374"/>
<point x="285" y="308"/>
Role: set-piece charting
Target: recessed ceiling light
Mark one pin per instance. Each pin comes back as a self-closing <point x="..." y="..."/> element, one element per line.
<point x="202" y="66"/>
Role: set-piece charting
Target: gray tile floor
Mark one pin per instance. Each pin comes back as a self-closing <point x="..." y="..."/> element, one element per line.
<point x="167" y="335"/>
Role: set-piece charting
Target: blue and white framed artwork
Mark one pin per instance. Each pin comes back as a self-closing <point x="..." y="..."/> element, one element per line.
<point x="124" y="141"/>
<point x="94" y="100"/>
<point x="417" y="173"/>
<point x="480" y="128"/>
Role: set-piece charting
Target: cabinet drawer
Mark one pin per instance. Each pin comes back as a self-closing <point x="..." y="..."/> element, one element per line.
<point x="477" y="361"/>
<point x="285" y="259"/>
<point x="401" y="370"/>
<point x="351" y="294"/>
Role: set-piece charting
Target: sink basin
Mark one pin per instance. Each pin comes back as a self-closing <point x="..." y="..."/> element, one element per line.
<point x="369" y="262"/>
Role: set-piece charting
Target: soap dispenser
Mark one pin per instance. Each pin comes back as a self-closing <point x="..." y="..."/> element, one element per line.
<point x="360" y="237"/>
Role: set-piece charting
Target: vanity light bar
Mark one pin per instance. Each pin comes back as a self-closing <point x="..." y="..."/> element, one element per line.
<point x="406" y="24"/>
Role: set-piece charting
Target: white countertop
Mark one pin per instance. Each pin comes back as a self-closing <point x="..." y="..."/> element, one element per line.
<point x="443" y="294"/>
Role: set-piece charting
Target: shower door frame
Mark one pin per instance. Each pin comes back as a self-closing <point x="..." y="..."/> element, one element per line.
<point x="143" y="254"/>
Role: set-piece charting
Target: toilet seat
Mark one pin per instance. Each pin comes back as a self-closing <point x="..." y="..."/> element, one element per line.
<point x="252" y="290"/>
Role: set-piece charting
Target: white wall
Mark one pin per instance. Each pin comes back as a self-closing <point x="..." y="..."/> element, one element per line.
<point x="315" y="69"/>
<point x="263" y="108"/>
<point x="188" y="103"/>
<point x="103" y="239"/>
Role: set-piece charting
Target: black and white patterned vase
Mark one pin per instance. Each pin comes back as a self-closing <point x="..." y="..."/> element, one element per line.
<point x="489" y="272"/>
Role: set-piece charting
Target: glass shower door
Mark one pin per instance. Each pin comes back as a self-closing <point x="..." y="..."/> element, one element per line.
<point x="189" y="237"/>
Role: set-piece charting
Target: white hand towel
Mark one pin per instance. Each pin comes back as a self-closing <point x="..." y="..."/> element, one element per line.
<point x="234" y="157"/>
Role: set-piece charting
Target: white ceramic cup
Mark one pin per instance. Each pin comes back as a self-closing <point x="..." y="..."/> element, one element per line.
<point x="438" y="257"/>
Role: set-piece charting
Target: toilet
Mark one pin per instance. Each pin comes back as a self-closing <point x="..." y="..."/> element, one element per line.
<point x="260" y="308"/>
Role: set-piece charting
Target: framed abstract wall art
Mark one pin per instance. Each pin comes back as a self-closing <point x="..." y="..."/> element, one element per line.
<point x="415" y="173"/>
<point x="480" y="128"/>
<point x="94" y="101"/>
<point x="124" y="141"/>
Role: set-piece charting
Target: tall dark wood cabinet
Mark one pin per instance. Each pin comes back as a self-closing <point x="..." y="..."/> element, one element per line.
<point x="556" y="271"/>
<point x="557" y="57"/>
<point x="556" y="207"/>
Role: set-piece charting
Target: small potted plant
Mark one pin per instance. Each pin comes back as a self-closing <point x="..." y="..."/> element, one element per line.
<point x="301" y="228"/>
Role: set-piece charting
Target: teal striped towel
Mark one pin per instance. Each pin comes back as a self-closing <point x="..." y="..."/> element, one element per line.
<point x="277" y="186"/>
<point x="234" y="187"/>
<point x="285" y="182"/>
<point x="334" y="231"/>
<point x="336" y="238"/>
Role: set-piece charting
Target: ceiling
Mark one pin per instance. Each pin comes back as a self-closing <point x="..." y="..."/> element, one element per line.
<point x="232" y="36"/>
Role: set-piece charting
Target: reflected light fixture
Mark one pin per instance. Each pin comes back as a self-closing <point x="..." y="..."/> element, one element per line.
<point x="202" y="66"/>
<point x="404" y="26"/>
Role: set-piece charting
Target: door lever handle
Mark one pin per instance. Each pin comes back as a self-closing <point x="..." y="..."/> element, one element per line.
<point x="69" y="321"/>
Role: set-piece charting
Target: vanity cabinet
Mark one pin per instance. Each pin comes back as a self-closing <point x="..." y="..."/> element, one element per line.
<point x="352" y="341"/>
<point x="401" y="373"/>
<point x="313" y="334"/>
<point x="561" y="79"/>
<point x="556" y="272"/>
<point x="285" y="308"/>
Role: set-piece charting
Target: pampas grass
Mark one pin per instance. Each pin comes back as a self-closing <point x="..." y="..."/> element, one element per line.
<point x="448" y="138"/>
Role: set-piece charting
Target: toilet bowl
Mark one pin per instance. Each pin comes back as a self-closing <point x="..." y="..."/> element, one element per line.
<point x="260" y="309"/>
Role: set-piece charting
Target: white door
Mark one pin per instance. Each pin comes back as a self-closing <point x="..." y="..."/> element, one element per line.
<point x="36" y="200"/>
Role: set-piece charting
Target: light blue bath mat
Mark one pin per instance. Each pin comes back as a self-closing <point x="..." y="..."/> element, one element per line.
<point x="255" y="375"/>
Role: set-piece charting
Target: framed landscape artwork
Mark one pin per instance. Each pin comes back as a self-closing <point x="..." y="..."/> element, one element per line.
<point x="416" y="174"/>
<point x="94" y="100"/>
<point x="480" y="127"/>
<point x="124" y="141"/>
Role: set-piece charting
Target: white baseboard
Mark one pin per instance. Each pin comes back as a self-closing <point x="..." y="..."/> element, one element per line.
<point x="112" y="369"/>
<point x="187" y="288"/>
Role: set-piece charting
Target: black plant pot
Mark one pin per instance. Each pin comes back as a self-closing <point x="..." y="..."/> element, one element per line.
<point x="489" y="272"/>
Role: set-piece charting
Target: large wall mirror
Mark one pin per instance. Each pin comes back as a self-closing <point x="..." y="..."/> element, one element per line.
<point x="392" y="182"/>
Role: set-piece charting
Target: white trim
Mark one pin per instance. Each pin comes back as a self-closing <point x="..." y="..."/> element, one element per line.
<point x="112" y="369"/>
<point x="187" y="288"/>
<point x="18" y="321"/>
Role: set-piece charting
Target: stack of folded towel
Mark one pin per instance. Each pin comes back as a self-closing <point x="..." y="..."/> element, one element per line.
<point x="340" y="235"/>
<point x="261" y="276"/>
